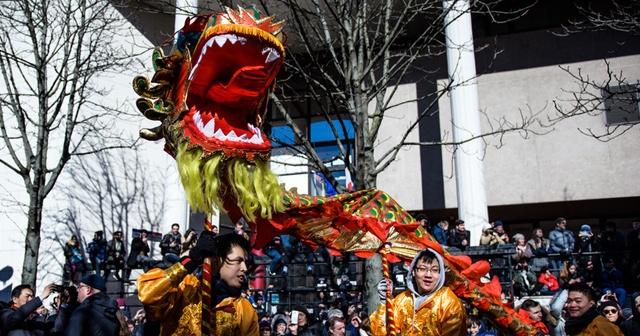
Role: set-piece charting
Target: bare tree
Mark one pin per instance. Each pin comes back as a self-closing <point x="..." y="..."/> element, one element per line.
<point x="615" y="94"/>
<point x="346" y="62"/>
<point x="55" y="61"/>
<point x="112" y="191"/>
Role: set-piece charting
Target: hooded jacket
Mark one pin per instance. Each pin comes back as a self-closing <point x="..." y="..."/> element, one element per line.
<point x="437" y="313"/>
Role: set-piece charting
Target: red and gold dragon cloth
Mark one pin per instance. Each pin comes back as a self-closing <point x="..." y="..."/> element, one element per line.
<point x="211" y="94"/>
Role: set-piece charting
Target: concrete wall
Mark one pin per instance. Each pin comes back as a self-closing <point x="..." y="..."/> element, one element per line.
<point x="562" y="164"/>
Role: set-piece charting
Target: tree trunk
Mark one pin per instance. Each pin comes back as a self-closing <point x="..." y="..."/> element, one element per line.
<point x="373" y="274"/>
<point x="32" y="241"/>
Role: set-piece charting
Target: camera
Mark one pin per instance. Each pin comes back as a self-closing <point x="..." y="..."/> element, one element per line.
<point x="59" y="288"/>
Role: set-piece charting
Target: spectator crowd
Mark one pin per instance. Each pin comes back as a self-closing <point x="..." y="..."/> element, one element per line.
<point x="560" y="283"/>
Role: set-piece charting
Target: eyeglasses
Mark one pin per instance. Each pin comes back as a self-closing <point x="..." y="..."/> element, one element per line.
<point x="83" y="285"/>
<point x="423" y="270"/>
<point x="610" y="311"/>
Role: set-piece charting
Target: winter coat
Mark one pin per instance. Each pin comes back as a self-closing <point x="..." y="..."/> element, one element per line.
<point x="166" y="242"/>
<point x="632" y="326"/>
<point x="98" y="249"/>
<point x="96" y="316"/>
<point x="562" y="241"/>
<point x="600" y="326"/>
<point x="550" y="281"/>
<point x="491" y="238"/>
<point x="137" y="247"/>
<point x="19" y="321"/>
<point x="440" y="235"/>
<point x="456" y="237"/>
<point x="540" y="250"/>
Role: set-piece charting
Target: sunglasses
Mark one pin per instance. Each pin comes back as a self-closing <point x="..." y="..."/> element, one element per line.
<point x="610" y="311"/>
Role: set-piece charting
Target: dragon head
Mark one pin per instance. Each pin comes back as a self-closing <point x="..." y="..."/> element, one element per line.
<point x="211" y="94"/>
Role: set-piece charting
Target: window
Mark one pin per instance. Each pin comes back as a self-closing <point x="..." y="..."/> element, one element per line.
<point x="621" y="105"/>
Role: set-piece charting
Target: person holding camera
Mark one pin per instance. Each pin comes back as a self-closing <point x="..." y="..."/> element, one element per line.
<point x="20" y="317"/>
<point x="188" y="241"/>
<point x="489" y="237"/>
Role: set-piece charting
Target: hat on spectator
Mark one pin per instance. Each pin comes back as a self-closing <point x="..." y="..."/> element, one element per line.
<point x="585" y="228"/>
<point x="94" y="281"/>
<point x="120" y="302"/>
<point x="518" y="236"/>
<point x="485" y="227"/>
<point x="264" y="324"/>
<point x="608" y="303"/>
<point x="497" y="223"/>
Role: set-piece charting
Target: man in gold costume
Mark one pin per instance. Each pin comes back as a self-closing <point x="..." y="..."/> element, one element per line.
<point x="174" y="296"/>
<point x="427" y="307"/>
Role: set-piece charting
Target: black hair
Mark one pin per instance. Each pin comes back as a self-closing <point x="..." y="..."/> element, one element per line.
<point x="175" y="224"/>
<point x="420" y="217"/>
<point x="15" y="293"/>
<point x="459" y="221"/>
<point x="427" y="257"/>
<point x="560" y="220"/>
<point x="144" y="231"/>
<point x="584" y="289"/>
<point x="528" y="303"/>
<point x="474" y="319"/>
<point x="225" y="242"/>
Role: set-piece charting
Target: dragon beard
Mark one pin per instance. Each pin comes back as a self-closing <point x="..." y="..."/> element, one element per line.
<point x="212" y="180"/>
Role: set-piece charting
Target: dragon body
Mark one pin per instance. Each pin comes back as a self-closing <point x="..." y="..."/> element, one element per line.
<point x="211" y="94"/>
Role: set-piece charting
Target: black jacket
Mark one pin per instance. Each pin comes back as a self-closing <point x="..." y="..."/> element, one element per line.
<point x="455" y="239"/>
<point x="96" y="316"/>
<point x="18" y="322"/>
<point x="137" y="247"/>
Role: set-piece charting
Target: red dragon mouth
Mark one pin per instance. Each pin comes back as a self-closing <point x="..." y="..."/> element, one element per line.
<point x="228" y="87"/>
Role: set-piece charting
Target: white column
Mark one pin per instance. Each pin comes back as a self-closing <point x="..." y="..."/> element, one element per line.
<point x="177" y="208"/>
<point x="469" y="170"/>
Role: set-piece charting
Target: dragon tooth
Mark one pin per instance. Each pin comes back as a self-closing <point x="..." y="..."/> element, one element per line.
<point x="220" y="135"/>
<point x="232" y="38"/>
<point x="209" y="128"/>
<point x="232" y="136"/>
<point x="255" y="139"/>
<point x="242" y="40"/>
<point x="244" y="138"/>
<point x="220" y="40"/>
<point x="272" y="54"/>
<point x="207" y="45"/>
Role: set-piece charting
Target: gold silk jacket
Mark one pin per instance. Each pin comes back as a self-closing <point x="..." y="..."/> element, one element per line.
<point x="440" y="315"/>
<point x="600" y="326"/>
<point x="174" y="297"/>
